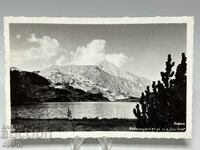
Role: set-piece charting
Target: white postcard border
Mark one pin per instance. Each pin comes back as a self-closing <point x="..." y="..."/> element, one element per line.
<point x="125" y="20"/>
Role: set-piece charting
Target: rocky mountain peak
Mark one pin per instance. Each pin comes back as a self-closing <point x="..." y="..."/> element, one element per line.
<point x="105" y="78"/>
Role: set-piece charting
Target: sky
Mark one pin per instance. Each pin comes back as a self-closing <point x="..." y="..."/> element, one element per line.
<point x="140" y="49"/>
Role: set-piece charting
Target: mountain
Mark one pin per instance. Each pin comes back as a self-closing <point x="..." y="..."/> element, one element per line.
<point x="113" y="70"/>
<point x="29" y="87"/>
<point x="26" y="87"/>
<point x="104" y="78"/>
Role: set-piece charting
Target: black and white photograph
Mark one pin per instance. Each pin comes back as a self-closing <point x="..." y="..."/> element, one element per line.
<point x="92" y="77"/>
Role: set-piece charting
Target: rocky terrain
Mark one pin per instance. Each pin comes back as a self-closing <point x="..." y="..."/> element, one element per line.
<point x="105" y="78"/>
<point x="68" y="83"/>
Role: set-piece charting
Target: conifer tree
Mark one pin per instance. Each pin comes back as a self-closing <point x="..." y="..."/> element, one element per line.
<point x="166" y="103"/>
<point x="180" y="89"/>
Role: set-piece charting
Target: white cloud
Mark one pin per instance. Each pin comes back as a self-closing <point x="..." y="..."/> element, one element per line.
<point x="43" y="49"/>
<point x="46" y="47"/>
<point x="46" y="51"/>
<point x="60" y="60"/>
<point x="18" y="36"/>
<point x="117" y="58"/>
<point x="92" y="54"/>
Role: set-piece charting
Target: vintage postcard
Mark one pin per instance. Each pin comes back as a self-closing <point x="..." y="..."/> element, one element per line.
<point x="99" y="77"/>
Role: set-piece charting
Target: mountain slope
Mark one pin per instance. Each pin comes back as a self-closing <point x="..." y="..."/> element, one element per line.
<point x="115" y="71"/>
<point x="104" y="78"/>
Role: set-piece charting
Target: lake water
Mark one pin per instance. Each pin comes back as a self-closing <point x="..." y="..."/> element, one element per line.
<point x="78" y="110"/>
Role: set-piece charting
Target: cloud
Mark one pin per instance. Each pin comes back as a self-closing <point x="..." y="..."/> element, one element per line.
<point x="61" y="60"/>
<point x="42" y="51"/>
<point x="46" y="47"/>
<point x="92" y="54"/>
<point x="18" y="36"/>
<point x="46" y="51"/>
<point x="117" y="58"/>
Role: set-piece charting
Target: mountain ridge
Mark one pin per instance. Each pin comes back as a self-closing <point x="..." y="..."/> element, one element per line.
<point x="105" y="78"/>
